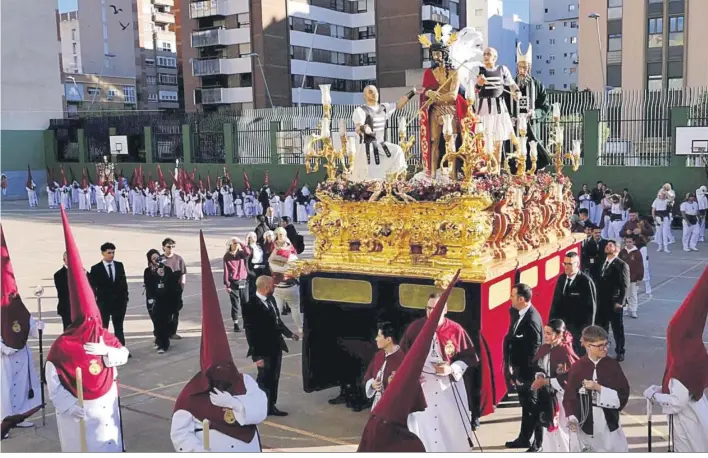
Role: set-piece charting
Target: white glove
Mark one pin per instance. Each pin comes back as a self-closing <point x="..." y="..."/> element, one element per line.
<point x="97" y="349"/>
<point x="40" y="325"/>
<point x="573" y="424"/>
<point x="222" y="399"/>
<point x="651" y="391"/>
<point x="367" y="129"/>
<point x="8" y="351"/>
<point x="76" y="412"/>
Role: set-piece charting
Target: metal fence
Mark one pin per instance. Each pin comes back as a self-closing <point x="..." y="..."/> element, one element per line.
<point x="635" y="129"/>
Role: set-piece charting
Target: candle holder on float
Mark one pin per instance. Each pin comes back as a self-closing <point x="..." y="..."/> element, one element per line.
<point x="405" y="143"/>
<point x="332" y="157"/>
<point x="555" y="144"/>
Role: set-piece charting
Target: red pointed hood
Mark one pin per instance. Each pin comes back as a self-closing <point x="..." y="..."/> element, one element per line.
<point x="386" y="429"/>
<point x="15" y="316"/>
<point x="686" y="356"/>
<point x="216" y="363"/>
<point x="67" y="352"/>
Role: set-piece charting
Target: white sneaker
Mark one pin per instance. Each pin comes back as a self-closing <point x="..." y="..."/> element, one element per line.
<point x="694" y="249"/>
<point x="625" y="312"/>
<point x="25" y="424"/>
<point x="634" y="315"/>
<point x="660" y="249"/>
<point x="666" y="250"/>
<point x="687" y="250"/>
<point x="160" y="351"/>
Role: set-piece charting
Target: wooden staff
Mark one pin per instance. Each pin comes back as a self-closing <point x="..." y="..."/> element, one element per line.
<point x="42" y="380"/>
<point x="649" y="412"/>
<point x="82" y="422"/>
<point x="205" y="428"/>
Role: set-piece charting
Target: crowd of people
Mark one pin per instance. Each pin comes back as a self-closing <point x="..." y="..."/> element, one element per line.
<point x="181" y="200"/>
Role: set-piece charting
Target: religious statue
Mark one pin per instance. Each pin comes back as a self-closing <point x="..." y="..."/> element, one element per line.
<point x="375" y="159"/>
<point x="440" y="96"/>
<point x="489" y="80"/>
<point x="531" y="107"/>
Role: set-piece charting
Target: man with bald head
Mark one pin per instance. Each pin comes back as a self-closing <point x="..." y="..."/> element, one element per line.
<point x="265" y="332"/>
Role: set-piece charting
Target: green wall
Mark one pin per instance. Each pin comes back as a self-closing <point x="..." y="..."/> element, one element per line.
<point x="21" y="147"/>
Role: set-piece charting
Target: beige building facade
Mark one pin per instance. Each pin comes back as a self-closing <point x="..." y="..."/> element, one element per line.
<point x="643" y="44"/>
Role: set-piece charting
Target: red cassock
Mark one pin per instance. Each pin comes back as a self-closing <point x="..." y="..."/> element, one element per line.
<point x="610" y="375"/>
<point x="561" y="358"/>
<point x="431" y="83"/>
<point x="393" y="362"/>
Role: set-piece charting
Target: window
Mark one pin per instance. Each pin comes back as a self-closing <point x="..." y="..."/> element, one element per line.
<point x="539" y="26"/>
<point x="537" y="42"/>
<point x="479" y="12"/>
<point x="573" y="70"/>
<point x="552" y="41"/>
<point x="170" y="62"/>
<point x="367" y="32"/>
<point x="167" y="79"/>
<point x="573" y="87"/>
<point x="574" y="57"/>
<point x="654" y="83"/>
<point x="243" y="20"/>
<point x="539" y="57"/>
<point x="152" y="97"/>
<point x="244" y="49"/>
<point x="552" y="26"/>
<point x="675" y="83"/>
<point x="112" y="93"/>
<point x="165" y="46"/>
<point x="361" y="6"/>
<point x="552" y="87"/>
<point x="552" y="71"/>
<point x="76" y="64"/>
<point x="573" y="24"/>
<point x="614" y="9"/>
<point x="168" y="96"/>
<point x="151" y="79"/>
<point x="551" y="57"/>
<point x="565" y="86"/>
<point x="676" y="31"/>
<point x="565" y="24"/>
<point x="573" y="39"/>
<point x="538" y="72"/>
<point x="656" y="32"/>
<point x="571" y="7"/>
<point x="73" y="34"/>
<point x="614" y="3"/>
<point x="149" y="62"/>
<point x="93" y="91"/>
<point x="73" y="48"/>
<point x="565" y="70"/>
<point x="454" y="8"/>
<point x="129" y="94"/>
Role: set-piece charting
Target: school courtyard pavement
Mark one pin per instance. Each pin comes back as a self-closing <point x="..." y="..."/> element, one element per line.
<point x="150" y="383"/>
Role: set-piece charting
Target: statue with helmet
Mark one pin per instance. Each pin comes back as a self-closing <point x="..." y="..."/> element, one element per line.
<point x="530" y="108"/>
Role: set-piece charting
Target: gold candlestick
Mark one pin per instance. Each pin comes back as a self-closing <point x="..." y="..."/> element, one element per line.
<point x="326" y="152"/>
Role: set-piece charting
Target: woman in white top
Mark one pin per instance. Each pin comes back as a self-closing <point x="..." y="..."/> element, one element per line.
<point x="702" y="199"/>
<point x="257" y="262"/>
<point x="670" y="200"/>
<point x="616" y="218"/>
<point x="689" y="215"/>
<point x="660" y="213"/>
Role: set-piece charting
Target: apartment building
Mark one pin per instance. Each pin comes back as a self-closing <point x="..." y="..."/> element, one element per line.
<point x="156" y="49"/>
<point x="555" y="35"/>
<point x="91" y="92"/>
<point x="132" y="39"/>
<point x="277" y="52"/>
<point x="643" y="44"/>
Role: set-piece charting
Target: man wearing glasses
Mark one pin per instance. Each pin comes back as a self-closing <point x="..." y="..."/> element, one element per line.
<point x="111" y="288"/>
<point x="179" y="269"/>
<point x="596" y="392"/>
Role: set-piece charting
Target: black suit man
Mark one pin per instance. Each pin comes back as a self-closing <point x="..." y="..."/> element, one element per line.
<point x="521" y="343"/>
<point x="270" y="219"/>
<point x="264" y="332"/>
<point x="612" y="287"/>
<point x="61" y="283"/>
<point x="111" y="287"/>
<point x="574" y="300"/>
<point x="594" y="253"/>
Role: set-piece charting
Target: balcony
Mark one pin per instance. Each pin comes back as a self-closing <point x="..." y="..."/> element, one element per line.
<point x="215" y="96"/>
<point x="164" y="2"/>
<point x="163" y="18"/>
<point x="208" y="8"/>
<point x="220" y="37"/>
<point x="435" y="14"/>
<point x="209" y="67"/>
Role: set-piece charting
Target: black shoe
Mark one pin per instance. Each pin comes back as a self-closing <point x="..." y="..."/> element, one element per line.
<point x="236" y="328"/>
<point x="274" y="412"/>
<point x="534" y="449"/>
<point x="175" y="336"/>
<point x="341" y="399"/>
<point x="620" y="357"/>
<point x="358" y="407"/>
<point x="517" y="443"/>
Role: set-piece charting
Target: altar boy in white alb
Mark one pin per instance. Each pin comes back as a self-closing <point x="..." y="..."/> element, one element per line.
<point x="230" y="400"/>
<point x="681" y="396"/>
<point x="20" y="392"/>
<point x="86" y="345"/>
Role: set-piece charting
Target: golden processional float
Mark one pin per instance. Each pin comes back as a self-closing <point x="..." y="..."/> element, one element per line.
<point x="382" y="247"/>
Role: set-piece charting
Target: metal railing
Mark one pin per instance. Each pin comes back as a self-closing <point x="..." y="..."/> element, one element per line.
<point x="202" y="38"/>
<point x="206" y="67"/>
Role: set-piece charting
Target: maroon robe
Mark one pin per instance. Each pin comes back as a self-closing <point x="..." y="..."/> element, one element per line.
<point x="393" y="362"/>
<point x="561" y="358"/>
<point x="609" y="375"/>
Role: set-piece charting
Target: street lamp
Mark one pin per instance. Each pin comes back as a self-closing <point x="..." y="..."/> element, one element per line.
<point x="106" y="56"/>
<point x="265" y="83"/>
<point x="596" y="17"/>
<point x="307" y="63"/>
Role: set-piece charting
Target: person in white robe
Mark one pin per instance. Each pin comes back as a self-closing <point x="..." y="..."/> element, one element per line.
<point x="93" y="194"/>
<point x="32" y="194"/>
<point x="231" y="401"/>
<point x="681" y="396"/>
<point x="288" y="204"/>
<point x="65" y="197"/>
<point x="228" y="201"/>
<point x="21" y="390"/>
<point x="75" y="192"/>
<point x="110" y="199"/>
<point x="57" y="194"/>
<point x="302" y="215"/>
<point x="238" y="207"/>
<point x="702" y="199"/>
<point x="100" y="199"/>
<point x="276" y="204"/>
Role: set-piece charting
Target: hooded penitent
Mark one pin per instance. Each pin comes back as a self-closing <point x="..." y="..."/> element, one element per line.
<point x="387" y="430"/>
<point x="686" y="356"/>
<point x="217" y="366"/>
<point x="67" y="352"/>
<point x="15" y="316"/>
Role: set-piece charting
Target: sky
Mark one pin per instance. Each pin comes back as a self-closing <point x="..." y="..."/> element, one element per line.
<point x="67" y="5"/>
